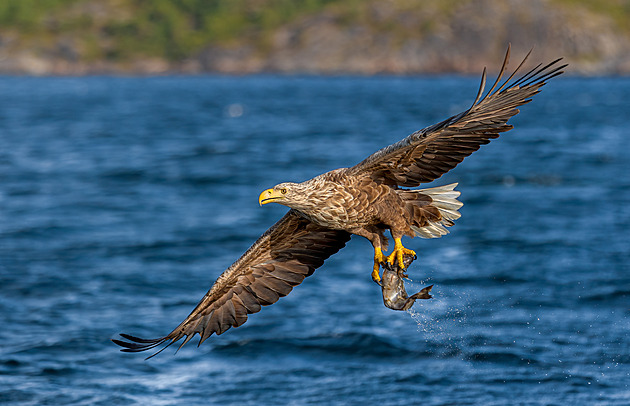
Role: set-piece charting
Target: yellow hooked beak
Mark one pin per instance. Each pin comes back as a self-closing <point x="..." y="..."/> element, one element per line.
<point x="269" y="195"/>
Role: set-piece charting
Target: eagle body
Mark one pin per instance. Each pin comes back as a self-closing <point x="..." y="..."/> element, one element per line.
<point x="377" y="195"/>
<point x="358" y="204"/>
<point x="342" y="202"/>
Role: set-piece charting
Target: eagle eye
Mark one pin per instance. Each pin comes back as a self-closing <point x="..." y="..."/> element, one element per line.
<point x="283" y="191"/>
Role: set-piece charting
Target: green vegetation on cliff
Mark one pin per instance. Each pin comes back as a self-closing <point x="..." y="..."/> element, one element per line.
<point x="119" y="31"/>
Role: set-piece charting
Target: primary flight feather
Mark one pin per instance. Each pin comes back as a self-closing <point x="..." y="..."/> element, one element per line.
<point x="367" y="199"/>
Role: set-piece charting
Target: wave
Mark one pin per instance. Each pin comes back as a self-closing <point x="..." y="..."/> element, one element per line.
<point x="608" y="295"/>
<point x="501" y="357"/>
<point x="349" y="344"/>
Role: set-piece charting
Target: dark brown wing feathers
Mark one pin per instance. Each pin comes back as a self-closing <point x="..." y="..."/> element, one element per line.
<point x="429" y="153"/>
<point x="287" y="253"/>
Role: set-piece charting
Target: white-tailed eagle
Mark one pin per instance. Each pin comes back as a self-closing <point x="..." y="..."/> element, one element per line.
<point x="366" y="199"/>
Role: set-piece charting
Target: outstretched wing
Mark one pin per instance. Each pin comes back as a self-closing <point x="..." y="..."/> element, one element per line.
<point x="429" y="153"/>
<point x="280" y="259"/>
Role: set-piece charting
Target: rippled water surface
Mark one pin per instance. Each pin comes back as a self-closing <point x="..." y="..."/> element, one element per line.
<point x="122" y="199"/>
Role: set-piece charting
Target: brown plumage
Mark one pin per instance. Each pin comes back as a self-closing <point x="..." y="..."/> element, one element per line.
<point x="366" y="200"/>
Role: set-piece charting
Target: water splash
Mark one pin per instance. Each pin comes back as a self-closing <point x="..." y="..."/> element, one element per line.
<point x="442" y="321"/>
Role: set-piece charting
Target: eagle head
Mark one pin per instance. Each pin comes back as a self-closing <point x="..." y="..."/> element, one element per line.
<point x="286" y="193"/>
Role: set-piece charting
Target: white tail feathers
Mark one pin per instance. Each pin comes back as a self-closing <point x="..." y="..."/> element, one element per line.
<point x="445" y="200"/>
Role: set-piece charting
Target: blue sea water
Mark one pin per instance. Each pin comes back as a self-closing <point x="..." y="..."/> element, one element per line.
<point x="122" y="200"/>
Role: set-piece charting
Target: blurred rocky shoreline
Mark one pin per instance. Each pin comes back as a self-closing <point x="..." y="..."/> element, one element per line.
<point x="388" y="39"/>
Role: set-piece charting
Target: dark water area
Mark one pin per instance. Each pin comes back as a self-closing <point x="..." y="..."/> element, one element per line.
<point x="122" y="200"/>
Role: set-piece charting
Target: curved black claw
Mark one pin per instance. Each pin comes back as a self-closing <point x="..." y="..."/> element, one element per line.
<point x="377" y="281"/>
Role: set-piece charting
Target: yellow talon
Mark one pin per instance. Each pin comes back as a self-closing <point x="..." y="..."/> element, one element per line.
<point x="378" y="256"/>
<point x="399" y="253"/>
<point x="375" y="275"/>
<point x="378" y="259"/>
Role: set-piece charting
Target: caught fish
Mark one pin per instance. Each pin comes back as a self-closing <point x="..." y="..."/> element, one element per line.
<point x="394" y="294"/>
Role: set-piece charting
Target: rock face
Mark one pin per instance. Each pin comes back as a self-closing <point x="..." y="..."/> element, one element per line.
<point x="467" y="38"/>
<point x="392" y="37"/>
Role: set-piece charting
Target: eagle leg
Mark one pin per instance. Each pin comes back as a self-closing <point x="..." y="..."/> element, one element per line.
<point x="378" y="259"/>
<point x="399" y="254"/>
